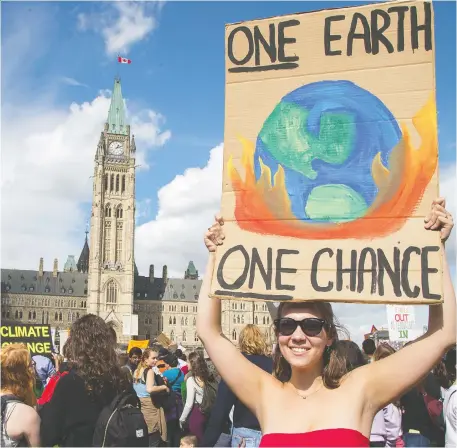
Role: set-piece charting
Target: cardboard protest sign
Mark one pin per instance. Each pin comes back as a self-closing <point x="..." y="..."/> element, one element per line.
<point x="37" y="338"/>
<point x="402" y="323"/>
<point x="330" y="158"/>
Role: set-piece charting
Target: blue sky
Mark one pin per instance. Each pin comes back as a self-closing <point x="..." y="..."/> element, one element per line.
<point x="56" y="54"/>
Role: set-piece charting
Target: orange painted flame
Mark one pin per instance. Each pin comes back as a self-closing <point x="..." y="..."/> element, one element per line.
<point x="264" y="207"/>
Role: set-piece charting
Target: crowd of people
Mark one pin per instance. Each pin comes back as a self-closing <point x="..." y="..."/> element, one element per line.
<point x="313" y="388"/>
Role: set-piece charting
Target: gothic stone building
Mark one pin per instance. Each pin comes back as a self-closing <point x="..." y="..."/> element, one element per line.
<point x="105" y="280"/>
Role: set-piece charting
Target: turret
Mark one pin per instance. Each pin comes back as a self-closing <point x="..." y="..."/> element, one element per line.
<point x="40" y="268"/>
<point x="165" y="274"/>
<point x="151" y="273"/>
<point x="55" y="268"/>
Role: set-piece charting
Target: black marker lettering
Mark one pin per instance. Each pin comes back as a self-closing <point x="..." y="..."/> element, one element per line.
<point x="362" y="269"/>
<point x="329" y="38"/>
<point x="400" y="10"/>
<point x="267" y="273"/>
<point x="280" y="270"/>
<point x="425" y="271"/>
<point x="377" y="32"/>
<point x="353" y="35"/>
<point x="352" y="271"/>
<point x="411" y="293"/>
<point x="314" y="269"/>
<point x="242" y="278"/>
<point x="283" y="40"/>
<point x="394" y="274"/>
<point x="247" y="32"/>
<point x="426" y="27"/>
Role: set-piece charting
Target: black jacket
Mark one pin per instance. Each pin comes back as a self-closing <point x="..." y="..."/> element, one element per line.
<point x="242" y="416"/>
<point x="69" y="418"/>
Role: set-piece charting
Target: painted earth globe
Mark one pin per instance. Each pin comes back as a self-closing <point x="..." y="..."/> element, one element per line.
<point x="325" y="136"/>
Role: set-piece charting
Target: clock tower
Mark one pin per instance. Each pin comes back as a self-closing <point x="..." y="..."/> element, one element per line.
<point x="112" y="225"/>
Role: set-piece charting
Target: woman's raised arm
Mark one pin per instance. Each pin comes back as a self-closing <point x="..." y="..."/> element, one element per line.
<point x="385" y="380"/>
<point x="247" y="381"/>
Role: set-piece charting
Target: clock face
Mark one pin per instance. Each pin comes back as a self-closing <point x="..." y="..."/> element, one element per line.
<point x="115" y="148"/>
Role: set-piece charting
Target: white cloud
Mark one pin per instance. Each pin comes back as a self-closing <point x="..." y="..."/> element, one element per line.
<point x="122" y="24"/>
<point x="186" y="207"/>
<point x="47" y="161"/>
<point x="448" y="187"/>
<point x="72" y="82"/>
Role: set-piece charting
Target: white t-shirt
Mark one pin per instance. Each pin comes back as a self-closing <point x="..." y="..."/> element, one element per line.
<point x="450" y="416"/>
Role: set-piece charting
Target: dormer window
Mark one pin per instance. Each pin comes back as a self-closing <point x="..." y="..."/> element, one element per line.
<point x="182" y="296"/>
<point x="70" y="290"/>
<point x="60" y="280"/>
<point x="175" y="295"/>
<point x="62" y="290"/>
<point x="73" y="281"/>
<point x="24" y="288"/>
<point x="183" y="286"/>
<point x="47" y="289"/>
<point x="8" y="287"/>
<point x="31" y="289"/>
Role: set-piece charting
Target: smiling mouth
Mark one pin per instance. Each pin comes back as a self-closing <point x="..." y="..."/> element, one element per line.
<point x="298" y="350"/>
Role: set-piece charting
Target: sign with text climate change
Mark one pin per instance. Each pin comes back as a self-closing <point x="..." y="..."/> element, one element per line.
<point x="330" y="158"/>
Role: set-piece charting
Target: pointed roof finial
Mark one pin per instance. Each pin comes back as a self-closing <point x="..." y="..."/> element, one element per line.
<point x="133" y="145"/>
<point x="83" y="261"/>
<point x="116" y="115"/>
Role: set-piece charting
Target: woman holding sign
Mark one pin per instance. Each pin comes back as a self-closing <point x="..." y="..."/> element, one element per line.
<point x="314" y="401"/>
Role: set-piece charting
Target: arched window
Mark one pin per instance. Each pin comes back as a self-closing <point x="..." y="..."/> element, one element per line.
<point x="256" y="320"/>
<point x="238" y="319"/>
<point x="170" y="321"/>
<point x="117" y="182"/>
<point x="30" y="315"/>
<point x="196" y="337"/>
<point x="119" y="212"/>
<point x="264" y="320"/>
<point x="268" y="320"/>
<point x="56" y="316"/>
<point x="77" y="315"/>
<point x="34" y="315"/>
<point x="234" y="335"/>
<point x="174" y="320"/>
<point x="123" y="183"/>
<point x="161" y="323"/>
<point x="111" y="293"/>
<point x="60" y="317"/>
<point x="108" y="211"/>
<point x="172" y="336"/>
<point x="105" y="182"/>
<point x="111" y="187"/>
<point x="194" y="322"/>
<point x="242" y="319"/>
<point x="184" y="336"/>
<point x="186" y="322"/>
<point x="234" y="319"/>
<point x="16" y="314"/>
<point x="182" y="321"/>
<point x="20" y="314"/>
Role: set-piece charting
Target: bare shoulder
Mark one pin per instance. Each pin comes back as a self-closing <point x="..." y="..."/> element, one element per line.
<point x="28" y="414"/>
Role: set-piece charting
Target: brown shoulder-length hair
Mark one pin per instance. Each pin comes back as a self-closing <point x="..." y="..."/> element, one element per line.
<point x="334" y="361"/>
<point x="383" y="351"/>
<point x="199" y="368"/>
<point x="91" y="349"/>
<point x="17" y="373"/>
<point x="252" y="341"/>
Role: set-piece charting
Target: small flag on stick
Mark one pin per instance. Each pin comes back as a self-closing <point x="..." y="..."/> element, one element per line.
<point x="123" y="60"/>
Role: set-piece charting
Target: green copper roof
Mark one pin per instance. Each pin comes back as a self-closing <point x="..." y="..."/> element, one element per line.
<point x="191" y="268"/>
<point x="116" y="114"/>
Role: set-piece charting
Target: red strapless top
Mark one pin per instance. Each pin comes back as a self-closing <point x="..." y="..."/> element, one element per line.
<point x="323" y="437"/>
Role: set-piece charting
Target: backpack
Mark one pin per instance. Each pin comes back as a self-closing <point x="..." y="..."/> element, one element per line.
<point x="121" y="423"/>
<point x="168" y="401"/>
<point x="209" y="397"/>
<point x="434" y="409"/>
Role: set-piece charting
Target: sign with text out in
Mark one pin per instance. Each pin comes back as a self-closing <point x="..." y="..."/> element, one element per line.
<point x="330" y="158"/>
<point x="402" y="323"/>
<point x="37" y="338"/>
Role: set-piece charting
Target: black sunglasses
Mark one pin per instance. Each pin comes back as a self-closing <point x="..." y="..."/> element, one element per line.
<point x="311" y="326"/>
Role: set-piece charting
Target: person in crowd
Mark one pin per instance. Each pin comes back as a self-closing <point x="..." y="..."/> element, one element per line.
<point x="450" y="401"/>
<point x="188" y="442"/>
<point x="62" y="369"/>
<point x="174" y="378"/>
<point x="182" y="361"/>
<point x="350" y="354"/>
<point x="253" y="346"/>
<point x="135" y="355"/>
<point x="193" y="415"/>
<point x="369" y="347"/>
<point x="292" y="407"/>
<point x="44" y="368"/>
<point x="419" y="427"/>
<point x="20" y="423"/>
<point x="94" y="380"/>
<point x="386" y="429"/>
<point x="146" y="387"/>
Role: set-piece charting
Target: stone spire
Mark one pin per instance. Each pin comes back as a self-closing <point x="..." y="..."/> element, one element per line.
<point x="116" y="115"/>
<point x="83" y="262"/>
<point x="132" y="144"/>
<point x="191" y="273"/>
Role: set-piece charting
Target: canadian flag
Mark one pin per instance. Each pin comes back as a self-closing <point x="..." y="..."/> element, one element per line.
<point x="123" y="60"/>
